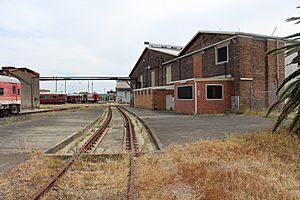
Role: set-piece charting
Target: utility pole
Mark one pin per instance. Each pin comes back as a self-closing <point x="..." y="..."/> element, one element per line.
<point x="88" y="86"/>
<point x="56" y="84"/>
<point x="65" y="87"/>
<point x="92" y="87"/>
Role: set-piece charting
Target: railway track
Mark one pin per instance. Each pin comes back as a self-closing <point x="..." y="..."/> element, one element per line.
<point x="92" y="142"/>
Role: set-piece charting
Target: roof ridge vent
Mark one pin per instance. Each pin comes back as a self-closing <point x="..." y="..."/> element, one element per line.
<point x="163" y="46"/>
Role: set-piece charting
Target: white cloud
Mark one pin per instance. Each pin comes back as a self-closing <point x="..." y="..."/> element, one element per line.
<point x="95" y="37"/>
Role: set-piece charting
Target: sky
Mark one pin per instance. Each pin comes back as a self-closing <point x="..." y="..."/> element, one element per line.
<point x="106" y="38"/>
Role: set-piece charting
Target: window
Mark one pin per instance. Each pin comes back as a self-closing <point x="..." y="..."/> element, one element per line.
<point x="1" y="91"/>
<point x="142" y="81"/>
<point x="14" y="89"/>
<point x="185" y="92"/>
<point x="214" y="92"/>
<point x="221" y="54"/>
<point x="18" y="91"/>
<point x="168" y="74"/>
<point x="153" y="78"/>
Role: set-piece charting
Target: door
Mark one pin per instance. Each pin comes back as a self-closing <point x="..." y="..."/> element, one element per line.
<point x="169" y="102"/>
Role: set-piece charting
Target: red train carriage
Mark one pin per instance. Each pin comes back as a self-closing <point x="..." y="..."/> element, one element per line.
<point x="53" y="98"/>
<point x="73" y="98"/>
<point x="10" y="95"/>
<point x="93" y="97"/>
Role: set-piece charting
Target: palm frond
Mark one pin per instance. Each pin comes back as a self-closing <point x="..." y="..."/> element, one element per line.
<point x="291" y="19"/>
<point x="296" y="35"/>
<point x="286" y="110"/>
<point x="296" y="121"/>
<point x="287" y="79"/>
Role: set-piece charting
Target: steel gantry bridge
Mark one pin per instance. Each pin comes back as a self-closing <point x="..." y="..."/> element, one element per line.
<point x="85" y="78"/>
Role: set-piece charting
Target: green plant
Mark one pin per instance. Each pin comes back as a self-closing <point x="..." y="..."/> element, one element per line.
<point x="289" y="99"/>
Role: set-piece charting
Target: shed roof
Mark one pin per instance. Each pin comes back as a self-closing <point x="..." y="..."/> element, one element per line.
<point x="12" y="69"/>
<point x="122" y="85"/>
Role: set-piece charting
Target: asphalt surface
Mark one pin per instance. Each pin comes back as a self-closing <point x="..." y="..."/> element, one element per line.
<point x="172" y="128"/>
<point x="39" y="132"/>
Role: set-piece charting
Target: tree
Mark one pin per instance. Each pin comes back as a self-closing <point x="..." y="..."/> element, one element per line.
<point x="289" y="97"/>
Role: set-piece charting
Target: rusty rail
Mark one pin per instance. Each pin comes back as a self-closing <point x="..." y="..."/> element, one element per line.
<point x="133" y="148"/>
<point x="85" y="148"/>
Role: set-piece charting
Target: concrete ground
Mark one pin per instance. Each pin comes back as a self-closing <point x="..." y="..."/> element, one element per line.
<point x="39" y="132"/>
<point x="112" y="142"/>
<point x="172" y="128"/>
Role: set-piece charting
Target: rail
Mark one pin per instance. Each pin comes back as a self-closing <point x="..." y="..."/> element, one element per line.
<point x="133" y="148"/>
<point x="85" y="148"/>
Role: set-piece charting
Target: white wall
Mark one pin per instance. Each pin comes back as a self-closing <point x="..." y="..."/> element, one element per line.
<point x="123" y="96"/>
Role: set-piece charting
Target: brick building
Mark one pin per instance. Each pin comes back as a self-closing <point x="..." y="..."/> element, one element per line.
<point x="219" y="72"/>
<point x="148" y="74"/>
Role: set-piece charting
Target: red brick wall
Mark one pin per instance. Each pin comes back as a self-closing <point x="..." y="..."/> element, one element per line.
<point x="160" y="99"/>
<point x="184" y="106"/>
<point x="252" y="62"/>
<point x="214" y="106"/>
<point x="197" y="60"/>
<point x="143" y="99"/>
<point x="205" y="106"/>
<point x="151" y="99"/>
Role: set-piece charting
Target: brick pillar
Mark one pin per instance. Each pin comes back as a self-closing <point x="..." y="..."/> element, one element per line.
<point x="197" y="62"/>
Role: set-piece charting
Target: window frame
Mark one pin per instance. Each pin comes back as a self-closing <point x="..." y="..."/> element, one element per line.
<point x="222" y="85"/>
<point x="2" y="94"/>
<point x="169" y="75"/>
<point x="14" y="89"/>
<point x="153" y="78"/>
<point x="216" y="54"/>
<point x="142" y="80"/>
<point x="185" y="86"/>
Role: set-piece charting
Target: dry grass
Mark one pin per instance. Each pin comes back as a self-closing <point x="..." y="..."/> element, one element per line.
<point x="258" y="166"/>
<point x="23" y="180"/>
<point x="93" y="180"/>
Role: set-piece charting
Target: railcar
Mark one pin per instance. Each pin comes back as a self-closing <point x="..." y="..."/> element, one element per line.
<point x="10" y="95"/>
<point x="93" y="98"/>
<point x="74" y="98"/>
<point x="52" y="98"/>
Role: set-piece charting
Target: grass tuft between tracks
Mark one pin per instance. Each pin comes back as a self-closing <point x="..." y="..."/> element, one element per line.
<point x="255" y="166"/>
<point x="93" y="179"/>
